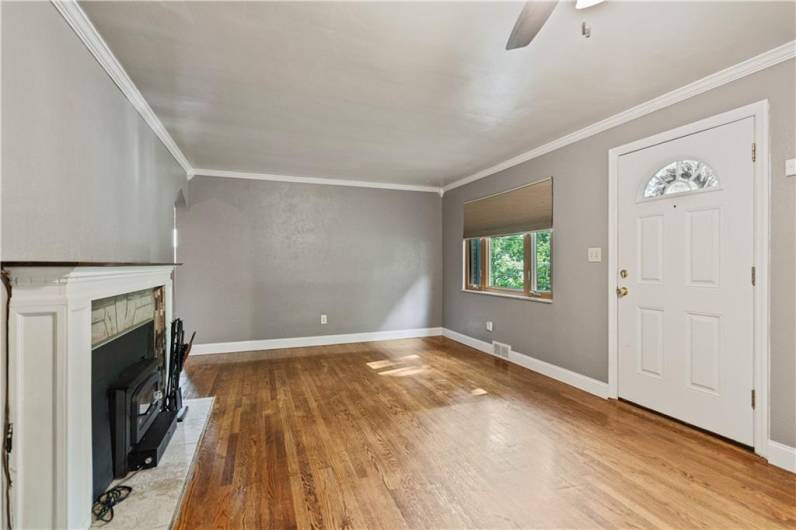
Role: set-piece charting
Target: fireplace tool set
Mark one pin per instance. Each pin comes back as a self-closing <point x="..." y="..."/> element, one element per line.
<point x="179" y="353"/>
<point x="140" y="438"/>
<point x="151" y="448"/>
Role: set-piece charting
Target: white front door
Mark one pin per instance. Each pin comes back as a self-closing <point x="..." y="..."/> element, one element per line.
<point x="685" y="250"/>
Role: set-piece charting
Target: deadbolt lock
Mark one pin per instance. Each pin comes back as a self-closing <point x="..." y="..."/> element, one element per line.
<point x="623" y="273"/>
<point x="621" y="291"/>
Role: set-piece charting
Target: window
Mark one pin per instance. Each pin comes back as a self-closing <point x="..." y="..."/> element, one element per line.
<point x="474" y="263"/>
<point x="543" y="262"/>
<point x="507" y="262"/>
<point x="681" y="176"/>
<point x="517" y="264"/>
<point x="508" y="241"/>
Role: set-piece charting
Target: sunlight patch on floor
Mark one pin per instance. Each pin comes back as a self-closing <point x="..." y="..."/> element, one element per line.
<point x="405" y="371"/>
<point x="403" y="366"/>
<point x="378" y="365"/>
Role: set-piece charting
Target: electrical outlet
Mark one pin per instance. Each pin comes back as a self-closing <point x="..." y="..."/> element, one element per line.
<point x="323" y="320"/>
<point x="595" y="254"/>
<point x="489" y="325"/>
<point x="790" y="167"/>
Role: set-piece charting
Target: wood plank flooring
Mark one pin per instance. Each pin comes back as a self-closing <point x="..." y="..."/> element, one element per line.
<point x="428" y="433"/>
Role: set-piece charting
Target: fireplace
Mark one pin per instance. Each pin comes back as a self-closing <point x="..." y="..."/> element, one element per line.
<point x="128" y="379"/>
<point x="136" y="404"/>
<point x="125" y="378"/>
<point x="55" y="336"/>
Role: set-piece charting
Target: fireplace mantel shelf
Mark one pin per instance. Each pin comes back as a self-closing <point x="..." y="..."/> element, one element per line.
<point x="65" y="264"/>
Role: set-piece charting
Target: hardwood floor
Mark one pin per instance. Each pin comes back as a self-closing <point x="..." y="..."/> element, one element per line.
<point x="428" y="433"/>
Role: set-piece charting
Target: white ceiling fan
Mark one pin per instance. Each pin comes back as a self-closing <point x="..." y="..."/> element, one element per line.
<point x="532" y="18"/>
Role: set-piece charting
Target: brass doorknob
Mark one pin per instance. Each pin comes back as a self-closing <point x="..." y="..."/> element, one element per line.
<point x="621" y="291"/>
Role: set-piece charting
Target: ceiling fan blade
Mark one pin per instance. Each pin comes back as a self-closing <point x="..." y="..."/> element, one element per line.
<point x="531" y="19"/>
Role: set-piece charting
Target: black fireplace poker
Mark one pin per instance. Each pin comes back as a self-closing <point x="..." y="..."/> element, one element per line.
<point x="179" y="353"/>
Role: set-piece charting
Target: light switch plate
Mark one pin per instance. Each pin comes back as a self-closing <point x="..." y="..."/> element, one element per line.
<point x="324" y="320"/>
<point x="595" y="254"/>
<point x="489" y="325"/>
<point x="790" y="167"/>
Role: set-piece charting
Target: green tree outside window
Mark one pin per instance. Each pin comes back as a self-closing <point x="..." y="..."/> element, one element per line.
<point x="543" y="251"/>
<point x="506" y="262"/>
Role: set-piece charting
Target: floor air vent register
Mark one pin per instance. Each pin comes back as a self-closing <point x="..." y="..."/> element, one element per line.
<point x="500" y="349"/>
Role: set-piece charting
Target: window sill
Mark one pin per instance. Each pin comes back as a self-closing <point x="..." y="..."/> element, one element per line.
<point x="512" y="296"/>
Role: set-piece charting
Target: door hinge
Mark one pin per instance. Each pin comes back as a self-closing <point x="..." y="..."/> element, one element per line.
<point x="9" y="438"/>
<point x="754" y="276"/>
<point x="753" y="398"/>
<point x="754" y="152"/>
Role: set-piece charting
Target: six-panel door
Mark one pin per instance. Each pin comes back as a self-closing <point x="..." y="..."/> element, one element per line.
<point x="685" y="240"/>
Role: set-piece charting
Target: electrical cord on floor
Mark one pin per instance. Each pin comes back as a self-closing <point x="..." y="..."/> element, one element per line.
<point x="7" y="429"/>
<point x="103" y="506"/>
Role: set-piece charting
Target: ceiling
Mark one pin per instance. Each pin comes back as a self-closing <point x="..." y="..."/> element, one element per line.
<point x="410" y="93"/>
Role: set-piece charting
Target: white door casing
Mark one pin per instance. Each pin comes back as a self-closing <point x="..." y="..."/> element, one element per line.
<point x="690" y="338"/>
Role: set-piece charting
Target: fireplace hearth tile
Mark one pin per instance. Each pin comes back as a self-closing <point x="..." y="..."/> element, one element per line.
<point x="155" y="500"/>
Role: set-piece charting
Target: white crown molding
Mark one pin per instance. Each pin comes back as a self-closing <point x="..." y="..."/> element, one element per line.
<point x="722" y="77"/>
<point x="313" y="180"/>
<point x="85" y="30"/>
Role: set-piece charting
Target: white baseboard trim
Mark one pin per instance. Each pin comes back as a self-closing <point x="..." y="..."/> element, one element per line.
<point x="779" y="455"/>
<point x="585" y="383"/>
<point x="467" y="340"/>
<point x="782" y="455"/>
<point x="319" y="340"/>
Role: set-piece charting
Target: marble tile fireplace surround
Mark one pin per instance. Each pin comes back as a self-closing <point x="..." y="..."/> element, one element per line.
<point x="51" y="333"/>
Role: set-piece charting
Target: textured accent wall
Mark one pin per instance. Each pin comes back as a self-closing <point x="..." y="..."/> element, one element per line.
<point x="84" y="177"/>
<point x="263" y="260"/>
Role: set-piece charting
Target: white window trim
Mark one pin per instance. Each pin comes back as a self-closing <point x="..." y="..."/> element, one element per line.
<point x="509" y="295"/>
<point x="505" y="292"/>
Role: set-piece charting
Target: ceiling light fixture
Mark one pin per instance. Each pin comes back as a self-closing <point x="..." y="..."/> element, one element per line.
<point x="583" y="4"/>
<point x="533" y="16"/>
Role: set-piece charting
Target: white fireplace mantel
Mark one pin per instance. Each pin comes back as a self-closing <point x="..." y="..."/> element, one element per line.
<point x="50" y="384"/>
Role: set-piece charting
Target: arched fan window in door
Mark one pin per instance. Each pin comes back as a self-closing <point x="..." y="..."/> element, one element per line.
<point x="681" y="176"/>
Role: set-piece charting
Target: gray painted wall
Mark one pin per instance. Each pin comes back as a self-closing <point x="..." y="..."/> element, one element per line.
<point x="263" y="260"/>
<point x="84" y="177"/>
<point x="573" y="331"/>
